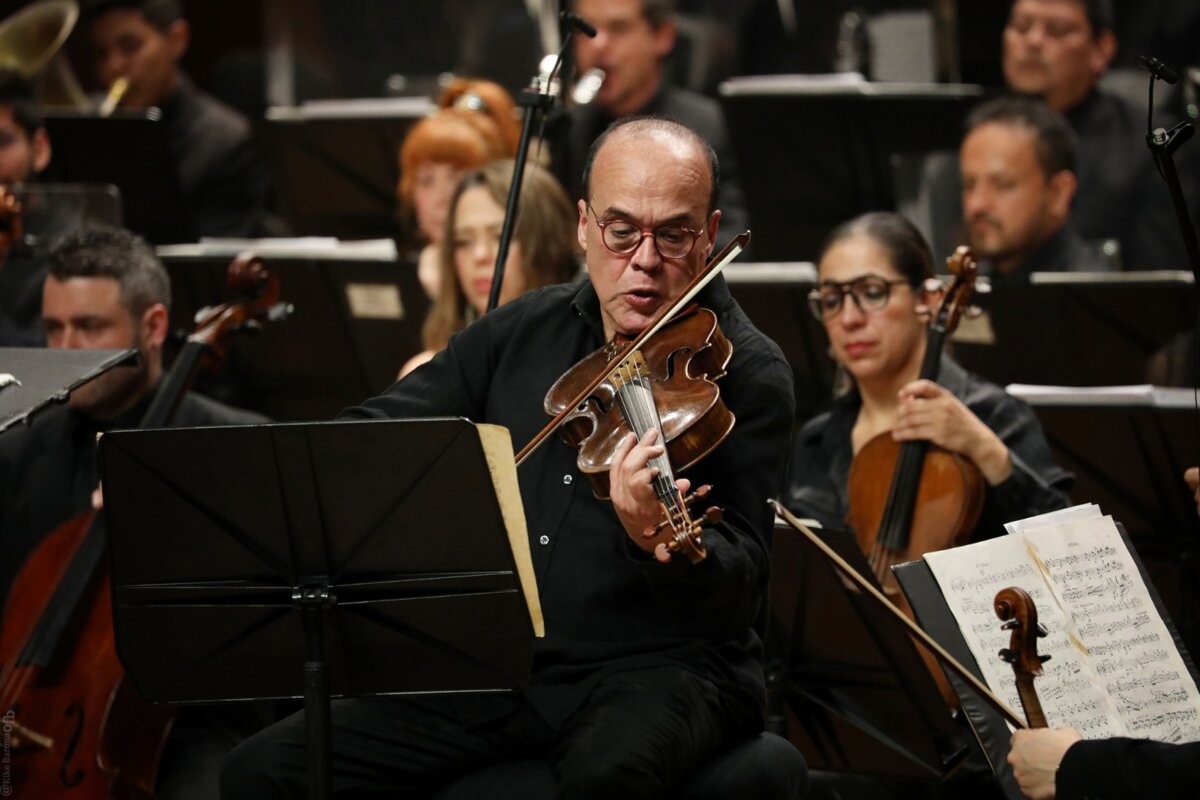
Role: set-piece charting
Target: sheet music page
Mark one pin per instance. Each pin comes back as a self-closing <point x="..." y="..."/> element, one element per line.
<point x="1097" y="584"/>
<point x="970" y="577"/>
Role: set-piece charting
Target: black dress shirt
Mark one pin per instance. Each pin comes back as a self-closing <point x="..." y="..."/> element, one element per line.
<point x="609" y="607"/>
<point x="223" y="186"/>
<point x="1065" y="251"/>
<point x="48" y="470"/>
<point x="822" y="453"/>
<point x="1111" y="769"/>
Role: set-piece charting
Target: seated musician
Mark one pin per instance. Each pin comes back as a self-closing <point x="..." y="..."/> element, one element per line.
<point x="1018" y="181"/>
<point x="651" y="665"/>
<point x="105" y="289"/>
<point x="873" y="301"/>
<point x="542" y="250"/>
<point x="222" y="183"/>
<point x="1050" y="763"/>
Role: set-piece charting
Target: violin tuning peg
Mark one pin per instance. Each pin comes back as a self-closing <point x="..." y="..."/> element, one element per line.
<point x="1010" y="624"/>
<point x="1042" y="631"/>
<point x="713" y="515"/>
<point x="1043" y="659"/>
<point x="1008" y="656"/>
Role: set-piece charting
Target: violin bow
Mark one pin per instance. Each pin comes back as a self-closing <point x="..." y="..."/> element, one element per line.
<point x="664" y="315"/>
<point x="921" y="636"/>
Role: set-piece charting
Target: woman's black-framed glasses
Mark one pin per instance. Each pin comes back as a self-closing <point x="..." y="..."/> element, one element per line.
<point x="622" y="237"/>
<point x="870" y="294"/>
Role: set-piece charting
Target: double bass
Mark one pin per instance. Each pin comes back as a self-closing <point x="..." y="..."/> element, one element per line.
<point x="75" y="727"/>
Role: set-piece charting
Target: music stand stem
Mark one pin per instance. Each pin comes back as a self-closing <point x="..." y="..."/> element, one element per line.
<point x="313" y="602"/>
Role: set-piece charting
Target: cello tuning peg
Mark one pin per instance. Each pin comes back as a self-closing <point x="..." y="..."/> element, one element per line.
<point x="1042" y="631"/>
<point x="1008" y="656"/>
<point x="1010" y="624"/>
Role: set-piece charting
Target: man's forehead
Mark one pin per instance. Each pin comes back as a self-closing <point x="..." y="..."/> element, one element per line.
<point x="1056" y="8"/>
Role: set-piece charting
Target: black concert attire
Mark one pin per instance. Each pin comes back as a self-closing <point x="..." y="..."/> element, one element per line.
<point x="584" y="124"/>
<point x="1065" y="251"/>
<point x="1108" y="769"/>
<point x="1120" y="194"/>
<point x="646" y="668"/>
<point x="222" y="183"/>
<point x="47" y="476"/>
<point x="821" y="455"/>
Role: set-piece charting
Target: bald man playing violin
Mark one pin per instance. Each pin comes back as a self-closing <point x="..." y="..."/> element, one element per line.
<point x="651" y="666"/>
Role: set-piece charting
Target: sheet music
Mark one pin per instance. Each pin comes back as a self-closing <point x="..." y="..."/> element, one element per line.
<point x="1114" y="668"/>
<point x="1069" y="688"/>
<point x="1097" y="582"/>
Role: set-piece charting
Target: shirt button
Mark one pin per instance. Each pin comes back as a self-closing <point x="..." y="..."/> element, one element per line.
<point x="544" y="539"/>
<point x="567" y="479"/>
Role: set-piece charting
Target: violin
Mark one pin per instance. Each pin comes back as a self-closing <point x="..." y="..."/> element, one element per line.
<point x="1017" y="609"/>
<point x="907" y="499"/>
<point x="78" y="728"/>
<point x="664" y="379"/>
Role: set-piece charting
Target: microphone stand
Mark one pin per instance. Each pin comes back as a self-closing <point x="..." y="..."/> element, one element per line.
<point x="1163" y="144"/>
<point x="536" y="105"/>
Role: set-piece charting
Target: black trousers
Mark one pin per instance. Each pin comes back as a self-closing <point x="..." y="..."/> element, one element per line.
<point x="639" y="734"/>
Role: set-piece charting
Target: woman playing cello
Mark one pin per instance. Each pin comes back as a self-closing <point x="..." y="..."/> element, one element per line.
<point x="873" y="300"/>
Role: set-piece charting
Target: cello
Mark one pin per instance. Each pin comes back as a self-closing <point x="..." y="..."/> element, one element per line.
<point x="75" y="727"/>
<point x="907" y="499"/>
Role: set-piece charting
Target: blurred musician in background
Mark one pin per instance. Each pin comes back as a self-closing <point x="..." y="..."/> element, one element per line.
<point x="1059" y="50"/>
<point x="874" y="302"/>
<point x="24" y="152"/>
<point x="223" y="185"/>
<point x="106" y="289"/>
<point x="542" y="251"/>
<point x="633" y="40"/>
<point x="1018" y="181"/>
<point x="475" y="124"/>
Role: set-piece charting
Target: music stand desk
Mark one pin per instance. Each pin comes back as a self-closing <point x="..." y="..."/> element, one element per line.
<point x="1078" y="329"/>
<point x="812" y="153"/>
<point x="357" y="318"/>
<point x="318" y="560"/>
<point x="49" y="376"/>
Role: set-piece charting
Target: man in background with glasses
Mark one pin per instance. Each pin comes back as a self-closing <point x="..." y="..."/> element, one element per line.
<point x="651" y="667"/>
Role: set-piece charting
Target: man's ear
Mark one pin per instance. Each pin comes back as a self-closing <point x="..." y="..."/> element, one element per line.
<point x="154" y="325"/>
<point x="664" y="39"/>
<point x="41" y="150"/>
<point x="1102" y="52"/>
<point x="581" y="226"/>
<point x="179" y="36"/>
<point x="711" y="230"/>
<point x="1061" y="191"/>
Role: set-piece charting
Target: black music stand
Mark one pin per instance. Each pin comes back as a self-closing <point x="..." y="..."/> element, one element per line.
<point x="336" y="165"/>
<point x="934" y="615"/>
<point x="811" y="155"/>
<point x="1084" y="329"/>
<point x="130" y="150"/>
<point x="355" y="324"/>
<point x="49" y="376"/>
<point x="322" y="560"/>
<point x="859" y="697"/>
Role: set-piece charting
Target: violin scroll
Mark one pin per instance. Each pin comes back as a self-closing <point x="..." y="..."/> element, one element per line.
<point x="1017" y="609"/>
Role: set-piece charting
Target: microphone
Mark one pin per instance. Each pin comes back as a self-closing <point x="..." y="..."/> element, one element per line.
<point x="573" y="20"/>
<point x="1157" y="68"/>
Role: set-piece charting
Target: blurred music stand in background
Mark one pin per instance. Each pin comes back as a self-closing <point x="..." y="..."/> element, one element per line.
<point x="131" y="151"/>
<point x="357" y="318"/>
<point x="336" y="163"/>
<point x="815" y="152"/>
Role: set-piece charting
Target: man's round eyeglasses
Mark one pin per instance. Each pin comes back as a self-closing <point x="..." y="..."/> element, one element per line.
<point x="870" y="294"/>
<point x="622" y="237"/>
